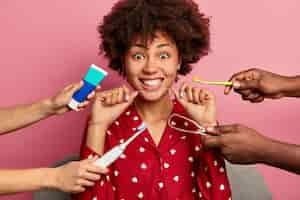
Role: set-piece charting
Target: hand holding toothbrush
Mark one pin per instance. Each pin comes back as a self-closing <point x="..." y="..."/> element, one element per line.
<point x="255" y="85"/>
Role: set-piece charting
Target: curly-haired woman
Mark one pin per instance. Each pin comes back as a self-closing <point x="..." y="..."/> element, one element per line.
<point x="151" y="42"/>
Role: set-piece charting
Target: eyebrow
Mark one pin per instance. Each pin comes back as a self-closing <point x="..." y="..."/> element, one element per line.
<point x="144" y="47"/>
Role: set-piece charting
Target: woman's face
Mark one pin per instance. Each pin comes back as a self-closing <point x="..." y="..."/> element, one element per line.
<point x="152" y="69"/>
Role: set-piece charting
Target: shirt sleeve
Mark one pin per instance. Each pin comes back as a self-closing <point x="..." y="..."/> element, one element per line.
<point x="212" y="179"/>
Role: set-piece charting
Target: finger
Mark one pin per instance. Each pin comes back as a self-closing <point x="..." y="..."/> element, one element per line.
<point x="209" y="97"/>
<point x="247" y="84"/>
<point x="78" y="189"/>
<point x="182" y="89"/>
<point x="126" y="94"/>
<point x="98" y="88"/>
<point x="211" y="142"/>
<point x="70" y="86"/>
<point x="84" y="182"/>
<point x="91" y="176"/>
<point x="91" y="95"/>
<point x="120" y="97"/>
<point x="250" y="97"/>
<point x="95" y="169"/>
<point x="196" y="95"/>
<point x="176" y="93"/>
<point x="235" y="78"/>
<point x="100" y="96"/>
<point x="75" y="87"/>
<point x="132" y="97"/>
<point x="224" y="129"/>
<point x="115" y="95"/>
<point x="91" y="167"/>
<point x="108" y="99"/>
<point x="258" y="99"/>
<point x="180" y="99"/>
<point x="227" y="89"/>
<point x="202" y="96"/>
<point x="212" y="131"/>
<point x="243" y="92"/>
<point x="189" y="93"/>
<point x="253" y="96"/>
<point x="83" y="104"/>
<point x="244" y="98"/>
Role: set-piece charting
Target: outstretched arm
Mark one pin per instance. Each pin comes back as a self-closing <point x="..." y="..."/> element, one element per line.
<point x="255" y="85"/>
<point x="243" y="145"/>
<point x="21" y="116"/>
<point x="72" y="177"/>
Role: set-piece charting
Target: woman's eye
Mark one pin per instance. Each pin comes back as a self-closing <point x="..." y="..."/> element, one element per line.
<point x="138" y="56"/>
<point x="164" y="56"/>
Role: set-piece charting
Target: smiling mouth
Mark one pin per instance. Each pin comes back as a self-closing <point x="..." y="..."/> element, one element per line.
<point x="151" y="84"/>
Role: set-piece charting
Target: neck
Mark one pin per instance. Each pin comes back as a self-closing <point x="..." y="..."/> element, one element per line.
<point x="152" y="111"/>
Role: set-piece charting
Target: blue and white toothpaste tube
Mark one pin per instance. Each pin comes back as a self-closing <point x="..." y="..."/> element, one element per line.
<point x="92" y="78"/>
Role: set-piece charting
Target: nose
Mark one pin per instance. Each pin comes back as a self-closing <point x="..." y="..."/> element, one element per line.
<point x="150" y="67"/>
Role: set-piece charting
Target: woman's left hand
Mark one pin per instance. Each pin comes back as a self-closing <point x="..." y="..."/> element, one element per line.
<point x="199" y="103"/>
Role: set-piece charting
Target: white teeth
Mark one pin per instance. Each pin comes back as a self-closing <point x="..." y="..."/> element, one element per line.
<point x="152" y="82"/>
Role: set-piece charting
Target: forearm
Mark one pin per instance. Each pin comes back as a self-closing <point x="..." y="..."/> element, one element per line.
<point x="291" y="87"/>
<point x="13" y="181"/>
<point x="282" y="155"/>
<point x="96" y="137"/>
<point x="24" y="115"/>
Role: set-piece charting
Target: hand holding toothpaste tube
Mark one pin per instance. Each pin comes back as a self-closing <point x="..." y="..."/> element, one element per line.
<point x="91" y="80"/>
<point x="78" y="95"/>
<point x="58" y="104"/>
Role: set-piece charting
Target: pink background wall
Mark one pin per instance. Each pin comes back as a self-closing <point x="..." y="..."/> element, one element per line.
<point x="45" y="45"/>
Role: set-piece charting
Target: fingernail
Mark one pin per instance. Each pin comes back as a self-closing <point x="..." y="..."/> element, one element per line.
<point x="210" y="129"/>
<point x="98" y="177"/>
<point x="181" y="95"/>
<point x="236" y="84"/>
<point x="126" y="97"/>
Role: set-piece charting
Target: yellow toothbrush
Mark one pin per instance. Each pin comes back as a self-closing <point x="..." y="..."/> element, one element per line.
<point x="198" y="80"/>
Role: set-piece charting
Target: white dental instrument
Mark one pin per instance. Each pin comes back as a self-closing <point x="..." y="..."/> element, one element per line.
<point x="109" y="157"/>
<point x="172" y="124"/>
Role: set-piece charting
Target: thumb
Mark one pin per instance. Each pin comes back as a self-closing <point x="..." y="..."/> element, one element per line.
<point x="131" y="97"/>
<point x="212" y="130"/>
<point x="211" y="142"/>
<point x="179" y="97"/>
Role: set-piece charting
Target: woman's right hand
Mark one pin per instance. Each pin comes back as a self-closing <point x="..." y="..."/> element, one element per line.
<point x="108" y="105"/>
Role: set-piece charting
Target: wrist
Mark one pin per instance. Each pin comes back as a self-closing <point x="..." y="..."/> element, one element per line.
<point x="266" y="151"/>
<point x="49" y="178"/>
<point x="94" y="121"/>
<point x="48" y="107"/>
<point x="291" y="86"/>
